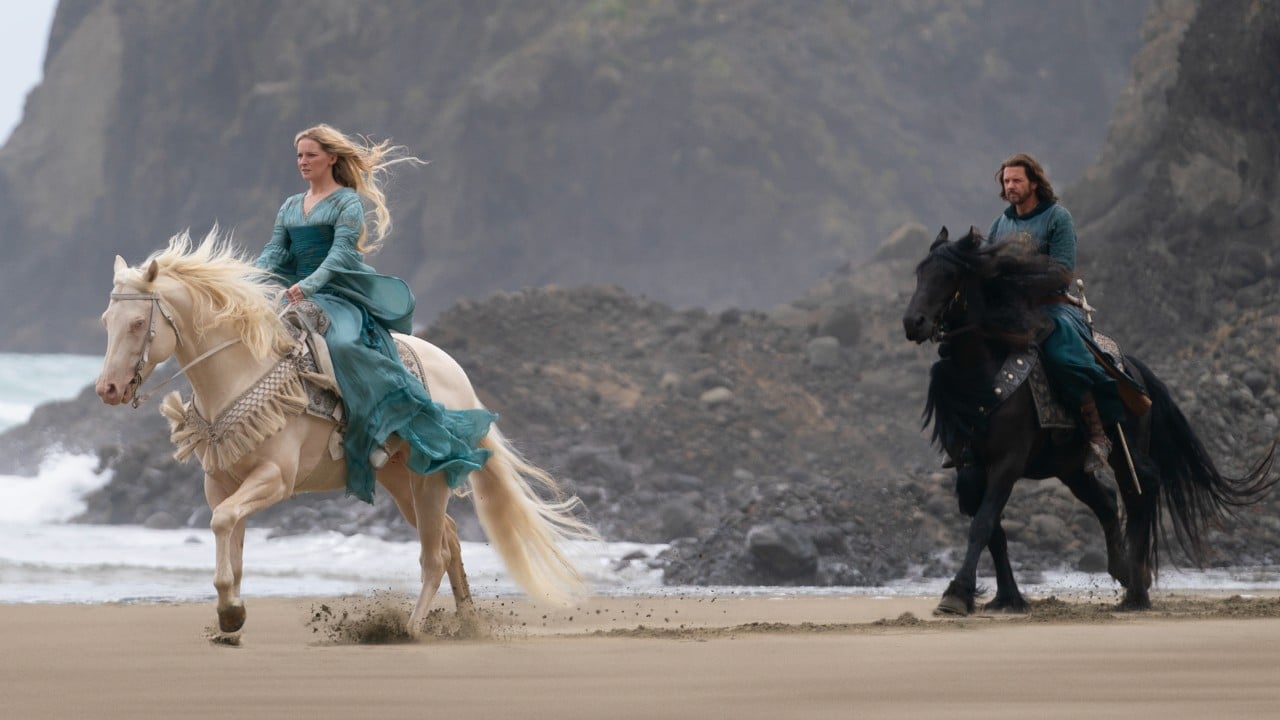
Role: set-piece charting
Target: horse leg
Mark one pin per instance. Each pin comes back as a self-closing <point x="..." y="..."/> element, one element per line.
<point x="453" y="565"/>
<point x="1142" y="518"/>
<point x="958" y="599"/>
<point x="1102" y="501"/>
<point x="263" y="487"/>
<point x="430" y="497"/>
<point x="397" y="486"/>
<point x="1008" y="598"/>
<point x="971" y="484"/>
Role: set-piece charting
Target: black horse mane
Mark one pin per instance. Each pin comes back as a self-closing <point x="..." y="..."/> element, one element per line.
<point x="1005" y="285"/>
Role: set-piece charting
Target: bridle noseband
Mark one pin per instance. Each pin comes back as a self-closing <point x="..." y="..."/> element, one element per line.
<point x="157" y="306"/>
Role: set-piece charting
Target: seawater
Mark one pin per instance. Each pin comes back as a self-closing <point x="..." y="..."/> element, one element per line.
<point x="45" y="559"/>
<point x="26" y="380"/>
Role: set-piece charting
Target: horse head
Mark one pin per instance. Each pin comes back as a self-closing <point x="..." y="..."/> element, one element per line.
<point x="142" y="329"/>
<point x="189" y="300"/>
<point x="940" y="278"/>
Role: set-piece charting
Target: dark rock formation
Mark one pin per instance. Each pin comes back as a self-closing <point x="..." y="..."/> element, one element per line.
<point x="709" y="152"/>
<point x="716" y="431"/>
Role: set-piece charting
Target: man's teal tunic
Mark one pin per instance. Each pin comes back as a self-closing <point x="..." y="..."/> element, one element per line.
<point x="317" y="251"/>
<point x="1072" y="367"/>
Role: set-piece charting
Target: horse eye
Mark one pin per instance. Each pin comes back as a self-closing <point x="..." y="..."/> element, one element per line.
<point x="136" y="324"/>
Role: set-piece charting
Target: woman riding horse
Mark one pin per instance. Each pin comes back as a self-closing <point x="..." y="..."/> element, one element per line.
<point x="317" y="248"/>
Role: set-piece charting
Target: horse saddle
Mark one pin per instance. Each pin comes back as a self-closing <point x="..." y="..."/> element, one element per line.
<point x="307" y="324"/>
<point x="1026" y="367"/>
<point x="1132" y="393"/>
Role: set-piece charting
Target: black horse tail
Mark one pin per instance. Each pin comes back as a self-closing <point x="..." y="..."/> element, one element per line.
<point x="1195" y="493"/>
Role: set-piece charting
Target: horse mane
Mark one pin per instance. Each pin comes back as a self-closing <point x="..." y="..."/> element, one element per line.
<point x="1003" y="285"/>
<point x="1014" y="278"/>
<point x="225" y="289"/>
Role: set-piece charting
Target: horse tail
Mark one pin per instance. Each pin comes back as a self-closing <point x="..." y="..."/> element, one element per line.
<point x="526" y="530"/>
<point x="1194" y="492"/>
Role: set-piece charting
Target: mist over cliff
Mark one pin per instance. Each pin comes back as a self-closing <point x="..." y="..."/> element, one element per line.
<point x="701" y="152"/>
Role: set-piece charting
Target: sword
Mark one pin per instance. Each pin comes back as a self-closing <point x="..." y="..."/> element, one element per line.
<point x="1084" y="304"/>
<point x="1133" y="472"/>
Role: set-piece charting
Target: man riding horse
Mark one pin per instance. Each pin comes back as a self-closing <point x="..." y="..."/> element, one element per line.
<point x="1069" y="352"/>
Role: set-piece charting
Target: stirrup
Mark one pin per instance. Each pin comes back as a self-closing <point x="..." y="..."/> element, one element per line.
<point x="378" y="458"/>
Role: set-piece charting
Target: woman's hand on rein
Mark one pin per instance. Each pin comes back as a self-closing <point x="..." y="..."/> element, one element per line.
<point x="295" y="294"/>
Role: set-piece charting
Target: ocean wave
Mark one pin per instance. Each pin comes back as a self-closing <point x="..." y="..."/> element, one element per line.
<point x="100" y="563"/>
<point x="55" y="494"/>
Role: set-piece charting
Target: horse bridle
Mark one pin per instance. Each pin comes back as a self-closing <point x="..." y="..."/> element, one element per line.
<point x="941" y="334"/>
<point x="157" y="306"/>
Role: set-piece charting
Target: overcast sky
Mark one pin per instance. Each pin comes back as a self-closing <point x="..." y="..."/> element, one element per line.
<point x="25" y="33"/>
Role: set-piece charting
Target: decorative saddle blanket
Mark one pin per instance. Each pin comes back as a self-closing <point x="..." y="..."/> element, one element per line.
<point x="1026" y="367"/>
<point x="308" y="323"/>
<point x="303" y="381"/>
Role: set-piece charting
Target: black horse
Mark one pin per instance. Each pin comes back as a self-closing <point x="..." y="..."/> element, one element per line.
<point x="982" y="302"/>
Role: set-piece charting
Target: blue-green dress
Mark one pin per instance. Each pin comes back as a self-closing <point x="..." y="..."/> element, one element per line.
<point x="317" y="251"/>
<point x="1072" y="368"/>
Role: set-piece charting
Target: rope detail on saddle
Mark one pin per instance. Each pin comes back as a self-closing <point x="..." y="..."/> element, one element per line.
<point x="261" y="411"/>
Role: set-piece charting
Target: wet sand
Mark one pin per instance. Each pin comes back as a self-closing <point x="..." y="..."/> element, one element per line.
<point x="717" y="656"/>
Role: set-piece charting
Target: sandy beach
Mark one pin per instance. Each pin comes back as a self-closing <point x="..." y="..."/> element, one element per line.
<point x="706" y="656"/>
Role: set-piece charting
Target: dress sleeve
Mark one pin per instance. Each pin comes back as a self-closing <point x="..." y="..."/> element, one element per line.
<point x="1062" y="238"/>
<point x="276" y="254"/>
<point x="343" y="254"/>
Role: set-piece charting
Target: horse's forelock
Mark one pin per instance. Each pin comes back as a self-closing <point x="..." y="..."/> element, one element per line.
<point x="130" y="277"/>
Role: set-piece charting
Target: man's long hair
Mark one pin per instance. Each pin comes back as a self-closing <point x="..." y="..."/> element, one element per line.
<point x="1035" y="173"/>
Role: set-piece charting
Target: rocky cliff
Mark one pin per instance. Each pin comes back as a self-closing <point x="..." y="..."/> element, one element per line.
<point x="1179" y="232"/>
<point x="785" y="447"/>
<point x="702" y="152"/>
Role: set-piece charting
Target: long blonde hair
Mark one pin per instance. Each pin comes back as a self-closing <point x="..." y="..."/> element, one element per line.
<point x="361" y="165"/>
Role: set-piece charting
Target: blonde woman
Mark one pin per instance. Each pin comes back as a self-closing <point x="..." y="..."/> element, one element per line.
<point x="317" y="248"/>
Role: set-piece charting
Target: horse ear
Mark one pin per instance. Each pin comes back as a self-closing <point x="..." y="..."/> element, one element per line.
<point x="120" y="264"/>
<point x="942" y="237"/>
<point x="971" y="240"/>
<point x="152" y="271"/>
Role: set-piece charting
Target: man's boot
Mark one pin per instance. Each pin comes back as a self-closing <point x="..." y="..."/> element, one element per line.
<point x="1099" y="445"/>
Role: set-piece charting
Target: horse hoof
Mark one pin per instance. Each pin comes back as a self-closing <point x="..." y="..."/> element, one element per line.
<point x="231" y="619"/>
<point x="1006" y="607"/>
<point x="1134" y="604"/>
<point x="951" y="606"/>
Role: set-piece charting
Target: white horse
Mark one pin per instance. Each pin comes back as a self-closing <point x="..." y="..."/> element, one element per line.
<point x="218" y="315"/>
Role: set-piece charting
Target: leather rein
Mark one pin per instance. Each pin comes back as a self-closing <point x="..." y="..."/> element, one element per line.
<point x="158" y="307"/>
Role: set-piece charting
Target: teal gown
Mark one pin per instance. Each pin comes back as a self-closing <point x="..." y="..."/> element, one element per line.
<point x="317" y="251"/>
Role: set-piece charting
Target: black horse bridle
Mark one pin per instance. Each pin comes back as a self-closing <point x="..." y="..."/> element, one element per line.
<point x="940" y="332"/>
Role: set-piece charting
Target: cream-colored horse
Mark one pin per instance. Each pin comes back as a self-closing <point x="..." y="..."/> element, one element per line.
<point x="218" y="315"/>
